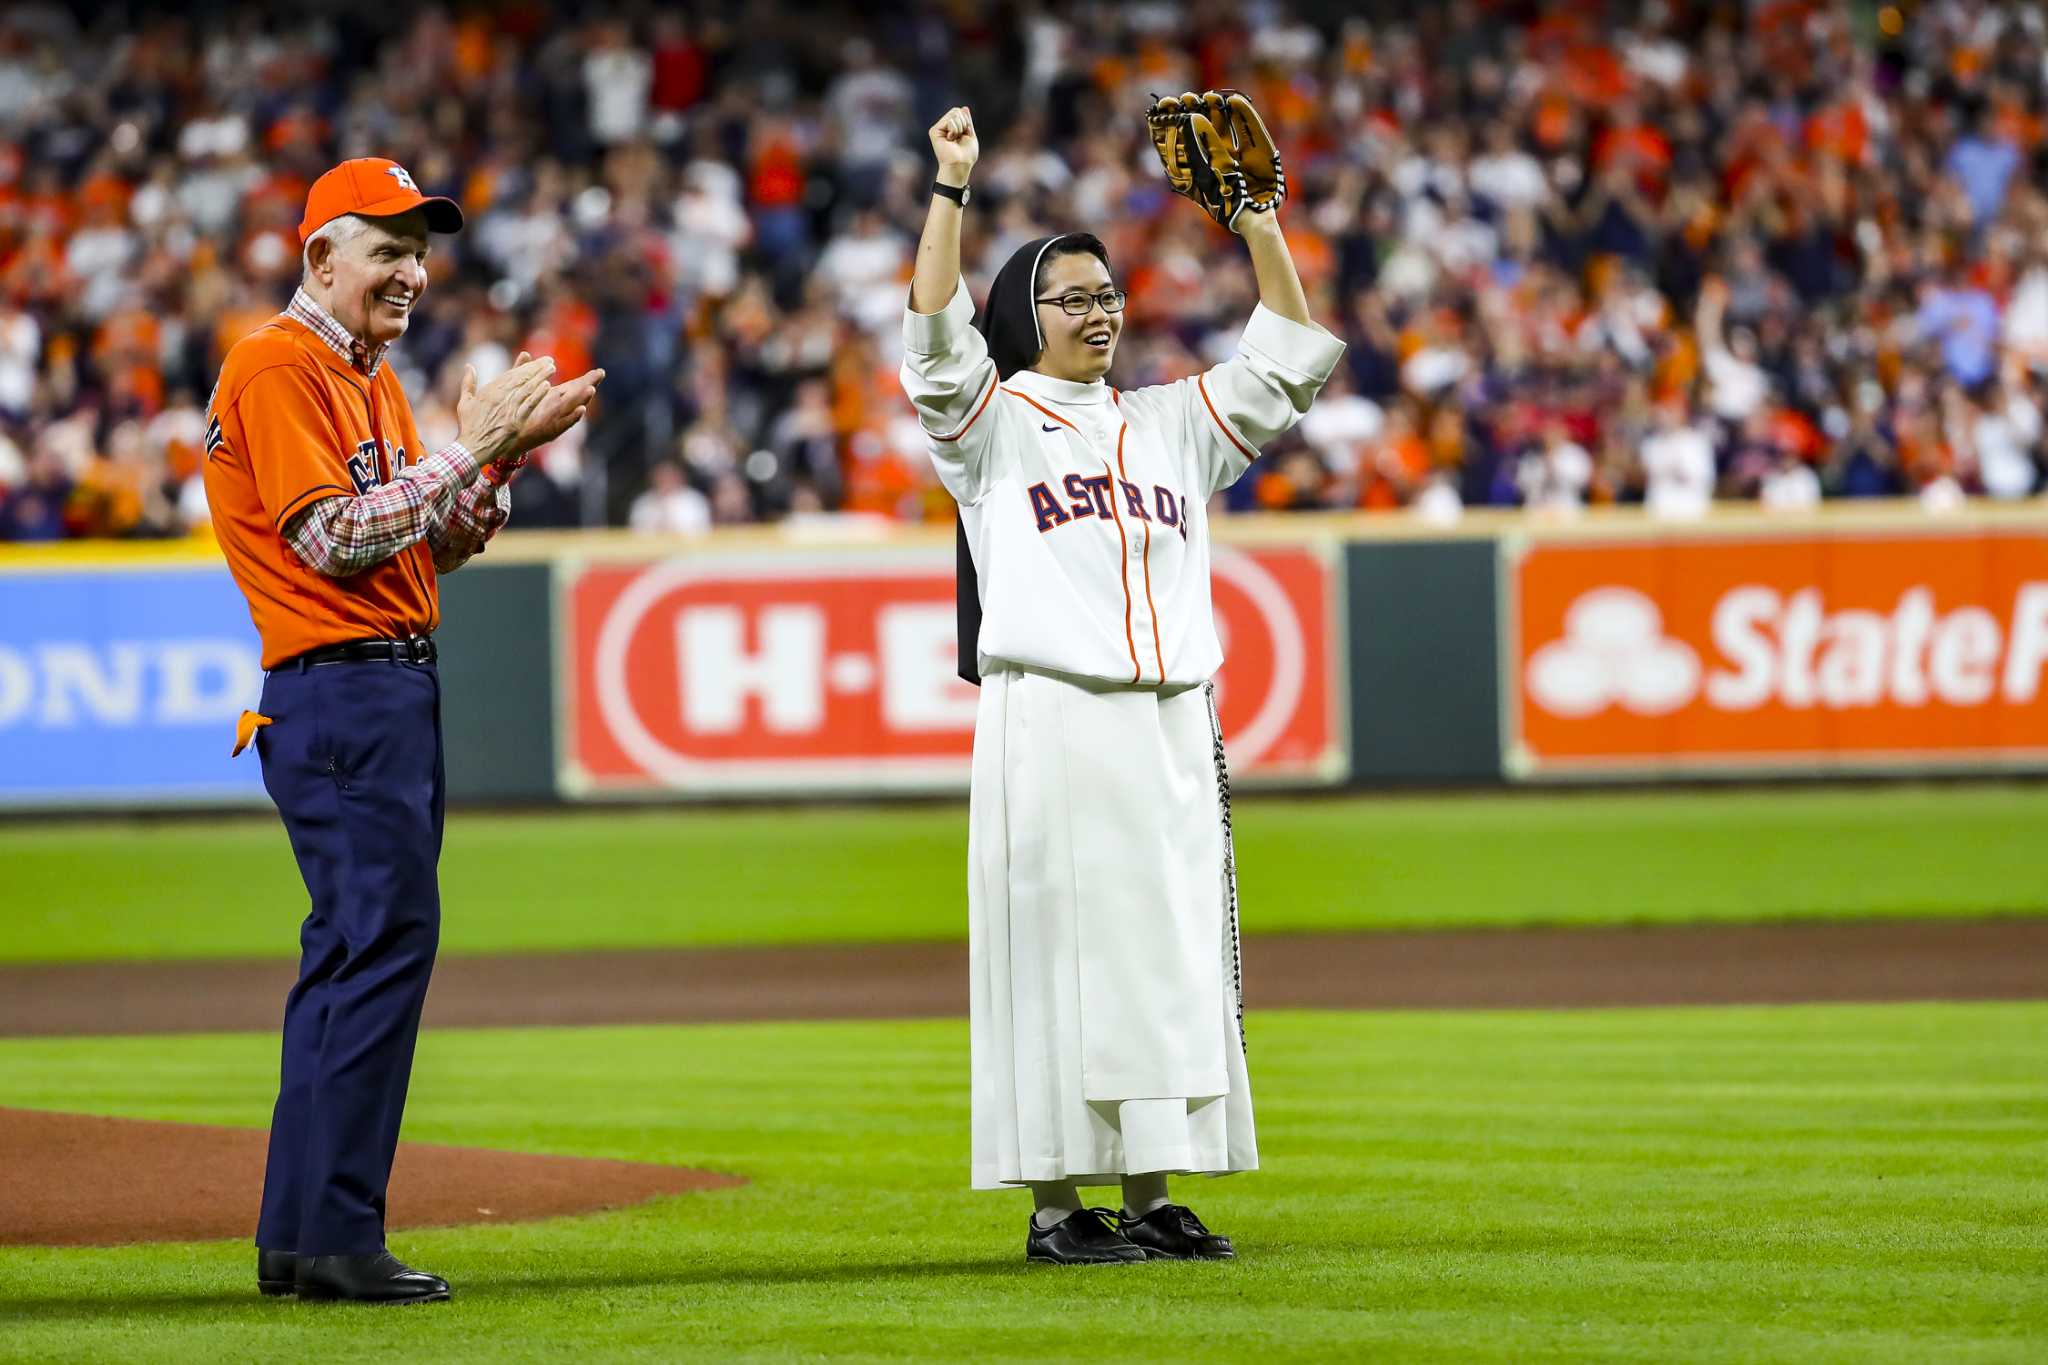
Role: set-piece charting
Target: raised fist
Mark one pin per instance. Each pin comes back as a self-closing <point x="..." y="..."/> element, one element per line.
<point x="954" y="142"/>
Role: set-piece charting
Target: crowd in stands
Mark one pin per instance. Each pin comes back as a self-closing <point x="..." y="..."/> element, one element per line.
<point x="1662" y="251"/>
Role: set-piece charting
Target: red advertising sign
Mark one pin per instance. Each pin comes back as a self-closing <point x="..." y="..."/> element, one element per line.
<point x="835" y="672"/>
<point x="1780" y="652"/>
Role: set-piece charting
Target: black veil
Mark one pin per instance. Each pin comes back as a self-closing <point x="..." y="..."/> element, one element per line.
<point x="1008" y="321"/>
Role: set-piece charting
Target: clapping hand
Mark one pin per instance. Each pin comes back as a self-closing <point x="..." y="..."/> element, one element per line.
<point x="489" y="420"/>
<point x="560" y="408"/>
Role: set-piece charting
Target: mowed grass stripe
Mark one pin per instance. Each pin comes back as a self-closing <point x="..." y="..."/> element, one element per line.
<point x="1798" y="1184"/>
<point x="679" y="877"/>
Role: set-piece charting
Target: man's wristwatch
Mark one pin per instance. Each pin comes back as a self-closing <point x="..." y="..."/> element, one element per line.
<point x="959" y="194"/>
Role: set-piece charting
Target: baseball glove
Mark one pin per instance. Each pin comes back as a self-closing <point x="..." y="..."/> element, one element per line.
<point x="1217" y="152"/>
<point x="1265" y="183"/>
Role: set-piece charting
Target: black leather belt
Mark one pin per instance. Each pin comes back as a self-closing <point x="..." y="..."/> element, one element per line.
<point x="418" y="650"/>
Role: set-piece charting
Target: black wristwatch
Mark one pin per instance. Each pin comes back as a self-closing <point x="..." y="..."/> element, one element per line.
<point x="958" y="194"/>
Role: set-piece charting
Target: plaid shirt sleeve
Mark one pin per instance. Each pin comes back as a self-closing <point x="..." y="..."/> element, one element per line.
<point x="440" y="499"/>
<point x="479" y="511"/>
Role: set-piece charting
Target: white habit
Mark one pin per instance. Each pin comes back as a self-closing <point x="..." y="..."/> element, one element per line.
<point x="1102" y="928"/>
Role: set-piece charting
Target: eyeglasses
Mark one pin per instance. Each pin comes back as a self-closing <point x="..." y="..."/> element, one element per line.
<point x="1078" y="303"/>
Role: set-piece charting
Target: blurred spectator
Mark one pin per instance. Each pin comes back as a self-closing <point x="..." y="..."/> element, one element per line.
<point x="1555" y="475"/>
<point x="1789" y="485"/>
<point x="669" y="506"/>
<point x="617" y="77"/>
<point x="21" y="344"/>
<point x="805" y="444"/>
<point x="1678" y="465"/>
<point x="33" y="509"/>
<point x="1983" y="161"/>
<point x="2005" y="434"/>
<point x="1963" y="321"/>
<point x="867" y="268"/>
<point x="1341" y="427"/>
<point x="868" y="105"/>
<point x="1736" y="384"/>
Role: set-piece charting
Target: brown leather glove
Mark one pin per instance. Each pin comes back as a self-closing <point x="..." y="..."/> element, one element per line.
<point x="1217" y="152"/>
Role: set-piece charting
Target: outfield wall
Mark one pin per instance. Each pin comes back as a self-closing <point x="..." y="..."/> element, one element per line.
<point x="1363" y="651"/>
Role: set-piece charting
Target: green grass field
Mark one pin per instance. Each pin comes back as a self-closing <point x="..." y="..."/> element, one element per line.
<point x="1792" y="1184"/>
<point x="1809" y="1184"/>
<point x="616" y="879"/>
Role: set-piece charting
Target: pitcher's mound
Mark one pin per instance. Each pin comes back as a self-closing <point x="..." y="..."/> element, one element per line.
<point x="77" y="1180"/>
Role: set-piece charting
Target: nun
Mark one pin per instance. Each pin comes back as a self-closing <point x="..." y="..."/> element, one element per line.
<point x="1106" y="1002"/>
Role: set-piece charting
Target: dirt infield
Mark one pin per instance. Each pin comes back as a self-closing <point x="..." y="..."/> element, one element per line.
<point x="1992" y="959"/>
<point x="75" y="1180"/>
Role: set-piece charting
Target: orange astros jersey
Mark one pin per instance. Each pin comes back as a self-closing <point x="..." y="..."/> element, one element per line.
<point x="291" y="423"/>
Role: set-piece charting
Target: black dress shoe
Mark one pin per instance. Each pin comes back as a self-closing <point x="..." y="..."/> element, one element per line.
<point x="1171" y="1232"/>
<point x="1085" y="1238"/>
<point x="277" y="1272"/>
<point x="378" y="1277"/>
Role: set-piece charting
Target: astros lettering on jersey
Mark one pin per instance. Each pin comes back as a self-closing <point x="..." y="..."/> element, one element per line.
<point x="1086" y="508"/>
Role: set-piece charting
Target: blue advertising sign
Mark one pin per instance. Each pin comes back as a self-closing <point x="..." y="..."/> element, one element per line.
<point x="123" y="685"/>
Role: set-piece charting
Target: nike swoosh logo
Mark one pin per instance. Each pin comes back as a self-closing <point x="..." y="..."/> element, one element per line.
<point x="1043" y="427"/>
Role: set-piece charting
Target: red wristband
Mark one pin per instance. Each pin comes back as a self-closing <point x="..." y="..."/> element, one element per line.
<point x="498" y="474"/>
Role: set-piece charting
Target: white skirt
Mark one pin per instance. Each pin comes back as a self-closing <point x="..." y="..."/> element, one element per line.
<point x="1102" y="943"/>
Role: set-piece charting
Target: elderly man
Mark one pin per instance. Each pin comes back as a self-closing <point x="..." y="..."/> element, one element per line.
<point x="336" y="527"/>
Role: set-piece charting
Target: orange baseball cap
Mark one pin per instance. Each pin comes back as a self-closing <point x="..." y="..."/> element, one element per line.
<point x="374" y="188"/>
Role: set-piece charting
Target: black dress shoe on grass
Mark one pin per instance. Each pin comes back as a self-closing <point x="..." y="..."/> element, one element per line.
<point x="1085" y="1238"/>
<point x="277" y="1272"/>
<point x="1171" y="1232"/>
<point x="378" y="1277"/>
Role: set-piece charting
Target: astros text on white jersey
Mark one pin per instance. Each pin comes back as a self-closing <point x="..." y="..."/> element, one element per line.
<point x="1085" y="507"/>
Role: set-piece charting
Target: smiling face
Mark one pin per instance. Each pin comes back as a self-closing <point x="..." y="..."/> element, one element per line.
<point x="1076" y="348"/>
<point x="371" y="281"/>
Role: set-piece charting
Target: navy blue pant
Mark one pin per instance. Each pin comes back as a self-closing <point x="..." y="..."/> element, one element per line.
<point x="353" y="760"/>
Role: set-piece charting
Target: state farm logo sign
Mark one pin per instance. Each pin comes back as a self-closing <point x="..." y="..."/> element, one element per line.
<point x="1866" y="649"/>
<point x="1613" y="653"/>
<point x="746" y="673"/>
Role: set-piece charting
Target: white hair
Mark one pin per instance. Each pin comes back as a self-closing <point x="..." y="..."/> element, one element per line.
<point x="337" y="232"/>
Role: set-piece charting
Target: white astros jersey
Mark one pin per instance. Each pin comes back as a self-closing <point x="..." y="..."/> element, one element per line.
<point x="1085" y="508"/>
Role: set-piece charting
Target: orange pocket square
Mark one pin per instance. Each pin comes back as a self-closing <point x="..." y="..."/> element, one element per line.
<point x="245" y="730"/>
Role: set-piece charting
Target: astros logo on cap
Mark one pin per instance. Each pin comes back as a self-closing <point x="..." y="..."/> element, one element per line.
<point x="375" y="188"/>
